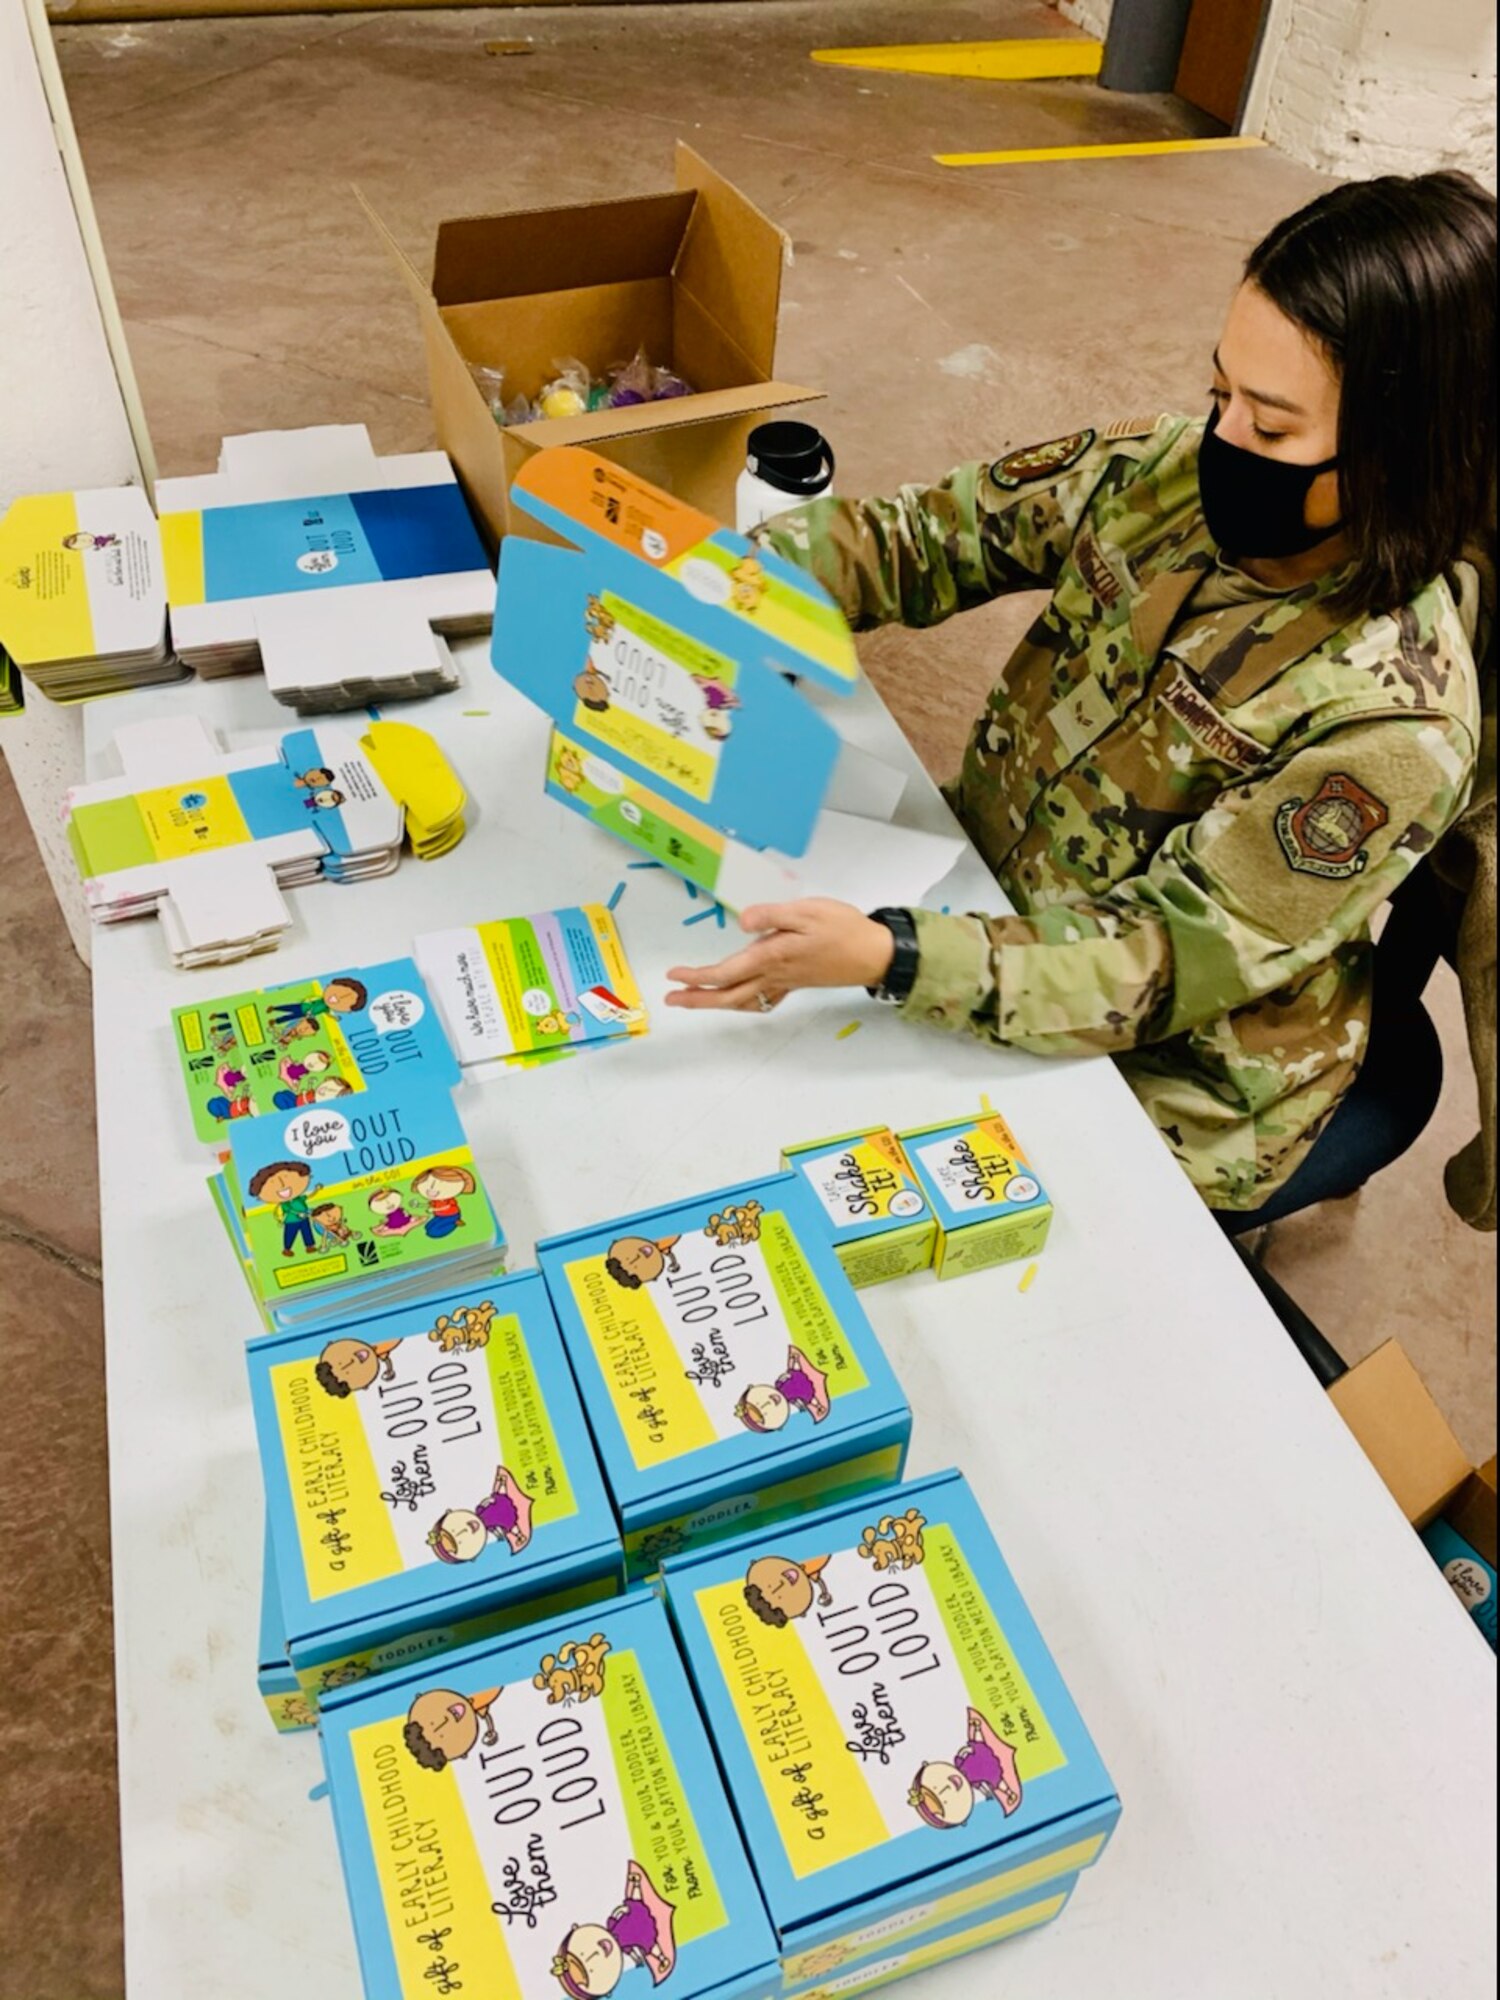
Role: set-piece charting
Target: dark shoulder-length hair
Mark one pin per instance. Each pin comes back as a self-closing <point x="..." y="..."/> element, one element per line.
<point x="1395" y="278"/>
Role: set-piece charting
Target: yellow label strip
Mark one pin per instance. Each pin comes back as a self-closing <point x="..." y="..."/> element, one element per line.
<point x="1141" y="149"/>
<point x="999" y="62"/>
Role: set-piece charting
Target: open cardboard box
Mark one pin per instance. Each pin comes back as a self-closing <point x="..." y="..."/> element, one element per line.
<point x="1386" y="1404"/>
<point x="693" y="276"/>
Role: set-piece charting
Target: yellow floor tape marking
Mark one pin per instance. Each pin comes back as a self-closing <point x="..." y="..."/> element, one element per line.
<point x="1137" y="150"/>
<point x="1003" y="62"/>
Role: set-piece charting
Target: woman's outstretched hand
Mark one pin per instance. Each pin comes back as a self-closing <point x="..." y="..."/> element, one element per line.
<point x="814" y="942"/>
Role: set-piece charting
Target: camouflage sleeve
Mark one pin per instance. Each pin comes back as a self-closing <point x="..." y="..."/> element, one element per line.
<point x="984" y="530"/>
<point x="1269" y="883"/>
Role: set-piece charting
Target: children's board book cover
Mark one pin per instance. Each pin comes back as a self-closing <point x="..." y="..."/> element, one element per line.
<point x="422" y="1468"/>
<point x="519" y="988"/>
<point x="923" y="1739"/>
<point x="331" y="1195"/>
<point x="671" y="645"/>
<point x="542" y="1819"/>
<point x="989" y="1204"/>
<point x="309" y="1041"/>
<point x="880" y="1219"/>
<point x="722" y="1354"/>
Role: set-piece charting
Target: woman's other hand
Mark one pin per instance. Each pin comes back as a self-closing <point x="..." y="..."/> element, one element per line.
<point x="814" y="942"/>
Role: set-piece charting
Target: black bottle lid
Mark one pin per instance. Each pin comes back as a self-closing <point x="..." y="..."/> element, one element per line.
<point x="794" y="458"/>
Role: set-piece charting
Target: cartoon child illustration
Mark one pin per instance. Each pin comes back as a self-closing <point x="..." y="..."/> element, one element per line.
<point x="314" y="1063"/>
<point x="286" y="1183"/>
<point x="718" y="704"/>
<point x="347" y="1366"/>
<point x="394" y="1220"/>
<point x="329" y="1088"/>
<point x="592" y="689"/>
<point x="594" y="1956"/>
<point x="325" y="799"/>
<point x="339" y="996"/>
<point x="314" y="779"/>
<point x="328" y="1221"/>
<point x="233" y="1099"/>
<point x="767" y="1406"/>
<point x="985" y="1768"/>
<point x="442" y="1727"/>
<point x="778" y="1590"/>
<point x="81" y="543"/>
<point x="440" y="1187"/>
<point x="633" y="1261"/>
<point x="463" y="1534"/>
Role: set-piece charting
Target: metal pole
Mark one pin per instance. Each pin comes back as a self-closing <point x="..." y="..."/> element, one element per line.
<point x="1144" y="43"/>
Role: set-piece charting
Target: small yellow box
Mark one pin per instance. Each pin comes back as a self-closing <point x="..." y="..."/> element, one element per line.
<point x="990" y="1206"/>
<point x="881" y="1223"/>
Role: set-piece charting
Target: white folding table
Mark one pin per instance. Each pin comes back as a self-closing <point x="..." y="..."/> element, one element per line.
<point x="1299" y="1718"/>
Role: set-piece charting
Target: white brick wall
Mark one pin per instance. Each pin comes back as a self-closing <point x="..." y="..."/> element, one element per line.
<point x="1362" y="87"/>
<point x="1090" y="15"/>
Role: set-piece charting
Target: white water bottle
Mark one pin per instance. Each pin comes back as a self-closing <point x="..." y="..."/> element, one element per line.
<point x="785" y="464"/>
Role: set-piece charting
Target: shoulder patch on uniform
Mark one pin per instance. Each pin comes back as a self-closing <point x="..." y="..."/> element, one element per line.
<point x="1130" y="427"/>
<point x="1040" y="461"/>
<point x="1326" y="834"/>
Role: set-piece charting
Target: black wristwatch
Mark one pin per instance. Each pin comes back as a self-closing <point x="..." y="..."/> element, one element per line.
<point x="901" y="974"/>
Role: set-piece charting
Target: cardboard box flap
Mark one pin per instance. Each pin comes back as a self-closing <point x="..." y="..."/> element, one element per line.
<point x="559" y="249"/>
<point x="405" y="269"/>
<point x="1385" y="1402"/>
<point x="731" y="261"/>
<point x="677" y="414"/>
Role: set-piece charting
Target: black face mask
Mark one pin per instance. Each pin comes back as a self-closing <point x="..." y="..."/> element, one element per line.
<point x="1256" y="506"/>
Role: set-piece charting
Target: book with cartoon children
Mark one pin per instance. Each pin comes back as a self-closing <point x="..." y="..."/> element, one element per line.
<point x="541" y="1818"/>
<point x="934" y="1727"/>
<point x="454" y="1492"/>
<point x="372" y="1195"/>
<point x="727" y="1366"/>
<point x="518" y="990"/>
<point x="308" y="1041"/>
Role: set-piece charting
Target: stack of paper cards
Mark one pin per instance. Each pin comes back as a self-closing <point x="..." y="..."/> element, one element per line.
<point x="83" y="606"/>
<point x="343" y="1201"/>
<point x="522" y="989"/>
<point x="310" y="1041"/>
<point x="340" y="573"/>
<point x="208" y="838"/>
<point x="12" y="694"/>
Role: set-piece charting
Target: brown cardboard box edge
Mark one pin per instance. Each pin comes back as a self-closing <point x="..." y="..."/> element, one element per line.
<point x="1386" y="1404"/>
<point x="727" y="264"/>
<point x="1473" y="1513"/>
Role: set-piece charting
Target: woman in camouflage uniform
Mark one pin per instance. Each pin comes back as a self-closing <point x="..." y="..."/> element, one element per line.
<point x="1250" y="707"/>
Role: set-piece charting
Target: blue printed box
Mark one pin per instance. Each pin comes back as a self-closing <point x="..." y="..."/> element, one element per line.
<point x="429" y="1479"/>
<point x="541" y="1818"/>
<point x="843" y="1979"/>
<point x="727" y="1367"/>
<point x="280" y="1689"/>
<point x="896" y="1739"/>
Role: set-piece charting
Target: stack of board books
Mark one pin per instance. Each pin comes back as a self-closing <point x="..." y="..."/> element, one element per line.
<point x="83" y="606"/>
<point x="355" y="1203"/>
<point x="520" y="990"/>
<point x="317" y="1041"/>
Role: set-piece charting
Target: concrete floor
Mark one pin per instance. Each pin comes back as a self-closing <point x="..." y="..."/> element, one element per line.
<point x="949" y="315"/>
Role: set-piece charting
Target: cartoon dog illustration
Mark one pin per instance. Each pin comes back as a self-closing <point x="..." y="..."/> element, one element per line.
<point x="574" y="1673"/>
<point x="985" y="1767"/>
<point x="735" y="1225"/>
<point x="895" y="1542"/>
<point x="466" y="1330"/>
<point x="597" y="622"/>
